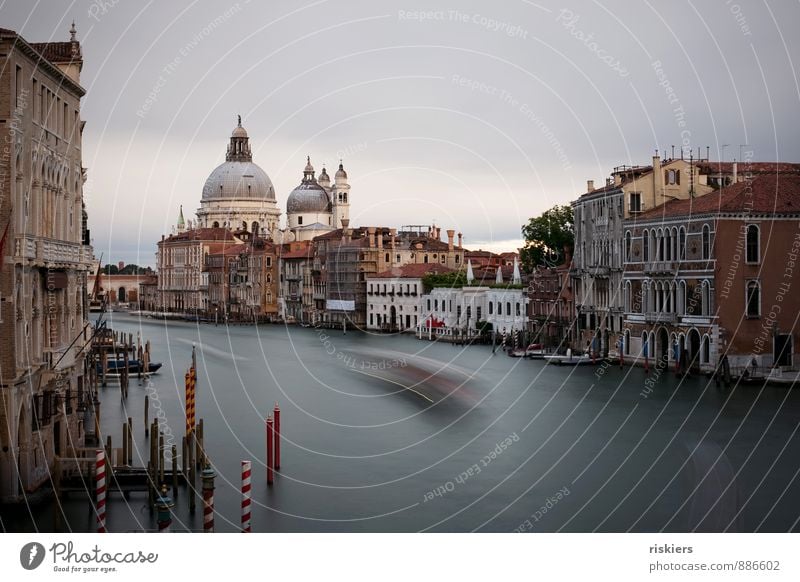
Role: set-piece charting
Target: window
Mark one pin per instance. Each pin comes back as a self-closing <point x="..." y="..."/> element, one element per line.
<point x="645" y="246"/>
<point x="752" y="243"/>
<point x="508" y="308"/>
<point x="478" y="313"/>
<point x="682" y="244"/>
<point x="671" y="177"/>
<point x="518" y="313"/>
<point x="753" y="299"/>
<point x="635" y="202"/>
<point x="628" y="246"/>
<point x="491" y="308"/>
<point x="706" y="242"/>
<point x="299" y="220"/>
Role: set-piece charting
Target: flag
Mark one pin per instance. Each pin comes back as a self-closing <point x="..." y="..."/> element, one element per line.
<point x="3" y="240"/>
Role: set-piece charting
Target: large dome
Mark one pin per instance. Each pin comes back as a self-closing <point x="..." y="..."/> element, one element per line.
<point x="243" y="180"/>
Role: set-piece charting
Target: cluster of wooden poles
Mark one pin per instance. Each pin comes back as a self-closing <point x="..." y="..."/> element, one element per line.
<point x="194" y="459"/>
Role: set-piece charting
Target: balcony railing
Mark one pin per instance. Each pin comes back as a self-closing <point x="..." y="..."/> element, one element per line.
<point x="656" y="267"/>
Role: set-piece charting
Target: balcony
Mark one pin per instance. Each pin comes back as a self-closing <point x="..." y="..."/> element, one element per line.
<point x="660" y="317"/>
<point x="661" y="267"/>
<point x="52" y="251"/>
<point x="598" y="270"/>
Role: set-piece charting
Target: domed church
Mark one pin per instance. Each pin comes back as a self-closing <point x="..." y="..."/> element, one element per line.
<point x="315" y="207"/>
<point x="238" y="194"/>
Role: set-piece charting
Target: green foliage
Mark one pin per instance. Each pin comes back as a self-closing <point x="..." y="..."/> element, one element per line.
<point x="546" y="236"/>
<point x="110" y="269"/>
<point x="454" y="279"/>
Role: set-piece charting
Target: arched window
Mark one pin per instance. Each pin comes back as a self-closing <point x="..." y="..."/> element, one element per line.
<point x="508" y="308"/>
<point x="682" y="244"/>
<point x="627" y="298"/>
<point x="491" y="307"/>
<point x="706" y="242"/>
<point x="704" y="350"/>
<point x="753" y="299"/>
<point x="255" y="227"/>
<point x="753" y="250"/>
<point x="670" y="177"/>
<point x="518" y="310"/>
<point x="645" y="246"/>
<point x="628" y="246"/>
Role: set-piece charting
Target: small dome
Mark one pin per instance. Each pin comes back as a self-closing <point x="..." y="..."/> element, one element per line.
<point x="340" y="173"/>
<point x="239" y="131"/>
<point x="308" y="197"/>
<point x="324" y="178"/>
<point x="238" y="180"/>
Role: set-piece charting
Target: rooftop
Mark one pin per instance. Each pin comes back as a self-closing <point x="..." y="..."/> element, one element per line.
<point x="413" y="271"/>
<point x="764" y="194"/>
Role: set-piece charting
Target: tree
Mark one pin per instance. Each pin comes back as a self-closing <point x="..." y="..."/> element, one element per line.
<point x="546" y="236"/>
<point x="453" y="279"/>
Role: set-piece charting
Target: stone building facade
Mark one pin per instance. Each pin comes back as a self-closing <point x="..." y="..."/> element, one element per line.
<point x="182" y="285"/>
<point x="45" y="255"/>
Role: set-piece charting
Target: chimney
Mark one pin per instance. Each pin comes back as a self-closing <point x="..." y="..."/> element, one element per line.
<point x="589" y="185"/>
<point x="346" y="229"/>
<point x="735" y="172"/>
<point x="450" y="235"/>
<point x="459" y="239"/>
<point x="379" y="239"/>
<point x="567" y="255"/>
<point x="392" y="233"/>
<point x="371" y="234"/>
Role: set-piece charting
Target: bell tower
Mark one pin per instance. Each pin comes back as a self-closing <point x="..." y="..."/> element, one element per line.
<point x="340" y="197"/>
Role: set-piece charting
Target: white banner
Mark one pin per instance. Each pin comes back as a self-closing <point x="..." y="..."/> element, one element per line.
<point x="340" y="305"/>
<point x="348" y="557"/>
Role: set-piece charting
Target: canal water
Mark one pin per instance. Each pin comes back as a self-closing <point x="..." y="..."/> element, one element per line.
<point x="390" y="433"/>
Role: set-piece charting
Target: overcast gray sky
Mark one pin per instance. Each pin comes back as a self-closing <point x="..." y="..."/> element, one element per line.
<point x="477" y="115"/>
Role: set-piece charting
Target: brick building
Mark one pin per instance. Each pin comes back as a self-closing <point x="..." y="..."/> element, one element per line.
<point x="715" y="275"/>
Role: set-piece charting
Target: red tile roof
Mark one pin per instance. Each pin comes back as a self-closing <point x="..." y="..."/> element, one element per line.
<point x="203" y="234"/>
<point x="413" y="271"/>
<point x="56" y="52"/>
<point x="302" y="253"/>
<point x="765" y="194"/>
<point x="751" y="167"/>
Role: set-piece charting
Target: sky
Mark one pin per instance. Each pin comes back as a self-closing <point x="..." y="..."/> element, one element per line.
<point x="473" y="115"/>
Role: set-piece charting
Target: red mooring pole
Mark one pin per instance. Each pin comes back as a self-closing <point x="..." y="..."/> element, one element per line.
<point x="270" y="442"/>
<point x="100" y="489"/>
<point x="277" y="427"/>
<point x="246" y="496"/>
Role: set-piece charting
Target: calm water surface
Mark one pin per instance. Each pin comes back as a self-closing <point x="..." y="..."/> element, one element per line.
<point x="388" y="433"/>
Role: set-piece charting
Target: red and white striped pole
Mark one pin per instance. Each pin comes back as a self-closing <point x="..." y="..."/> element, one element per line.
<point x="100" y="489"/>
<point x="277" y="427"/>
<point x="208" y="499"/>
<point x="270" y="442"/>
<point x="246" y="496"/>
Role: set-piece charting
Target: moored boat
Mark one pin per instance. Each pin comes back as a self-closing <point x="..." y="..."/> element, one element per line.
<point x="114" y="368"/>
